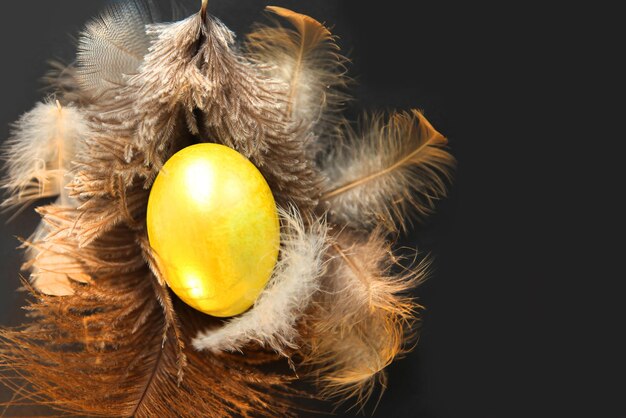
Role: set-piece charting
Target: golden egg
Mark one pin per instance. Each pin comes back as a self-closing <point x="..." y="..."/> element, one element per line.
<point x="213" y="225"/>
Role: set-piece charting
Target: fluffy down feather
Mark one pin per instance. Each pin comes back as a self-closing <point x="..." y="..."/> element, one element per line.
<point x="119" y="345"/>
<point x="363" y="317"/>
<point x="307" y="60"/>
<point x="40" y="152"/>
<point x="273" y="319"/>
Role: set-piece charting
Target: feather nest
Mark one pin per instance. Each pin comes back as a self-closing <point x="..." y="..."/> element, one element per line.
<point x="117" y="343"/>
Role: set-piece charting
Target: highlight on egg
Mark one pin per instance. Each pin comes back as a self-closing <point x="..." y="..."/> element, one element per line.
<point x="213" y="226"/>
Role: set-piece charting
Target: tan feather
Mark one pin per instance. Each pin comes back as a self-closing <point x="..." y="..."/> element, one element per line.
<point x="52" y="262"/>
<point x="309" y="62"/>
<point x="377" y="175"/>
<point x="40" y="153"/>
<point x="364" y="316"/>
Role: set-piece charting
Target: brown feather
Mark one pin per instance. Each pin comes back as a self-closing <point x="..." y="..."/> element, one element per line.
<point x="364" y="316"/>
<point x="193" y="72"/>
<point x="118" y="347"/>
<point x="378" y="175"/>
<point x="309" y="62"/>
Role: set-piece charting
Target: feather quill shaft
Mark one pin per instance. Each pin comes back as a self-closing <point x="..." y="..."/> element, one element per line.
<point x="272" y="322"/>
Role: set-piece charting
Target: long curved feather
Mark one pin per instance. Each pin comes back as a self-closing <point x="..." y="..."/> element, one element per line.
<point x="272" y="321"/>
<point x="377" y="175"/>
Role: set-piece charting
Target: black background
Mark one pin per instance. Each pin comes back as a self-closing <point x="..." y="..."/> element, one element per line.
<point x="524" y="317"/>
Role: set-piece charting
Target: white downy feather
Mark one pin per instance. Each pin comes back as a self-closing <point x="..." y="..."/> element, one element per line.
<point x="40" y="151"/>
<point x="272" y="321"/>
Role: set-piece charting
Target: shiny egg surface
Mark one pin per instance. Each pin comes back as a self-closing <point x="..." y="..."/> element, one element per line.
<point x="213" y="226"/>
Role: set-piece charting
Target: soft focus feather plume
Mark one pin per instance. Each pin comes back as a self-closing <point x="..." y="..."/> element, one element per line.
<point x="363" y="319"/>
<point x="272" y="322"/>
<point x="113" y="45"/>
<point x="377" y="175"/>
<point x="40" y="152"/>
<point x="307" y="60"/>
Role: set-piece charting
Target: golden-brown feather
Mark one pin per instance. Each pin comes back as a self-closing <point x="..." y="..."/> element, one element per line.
<point x="119" y="345"/>
<point x="376" y="176"/>
<point x="308" y="61"/>
<point x="363" y="318"/>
